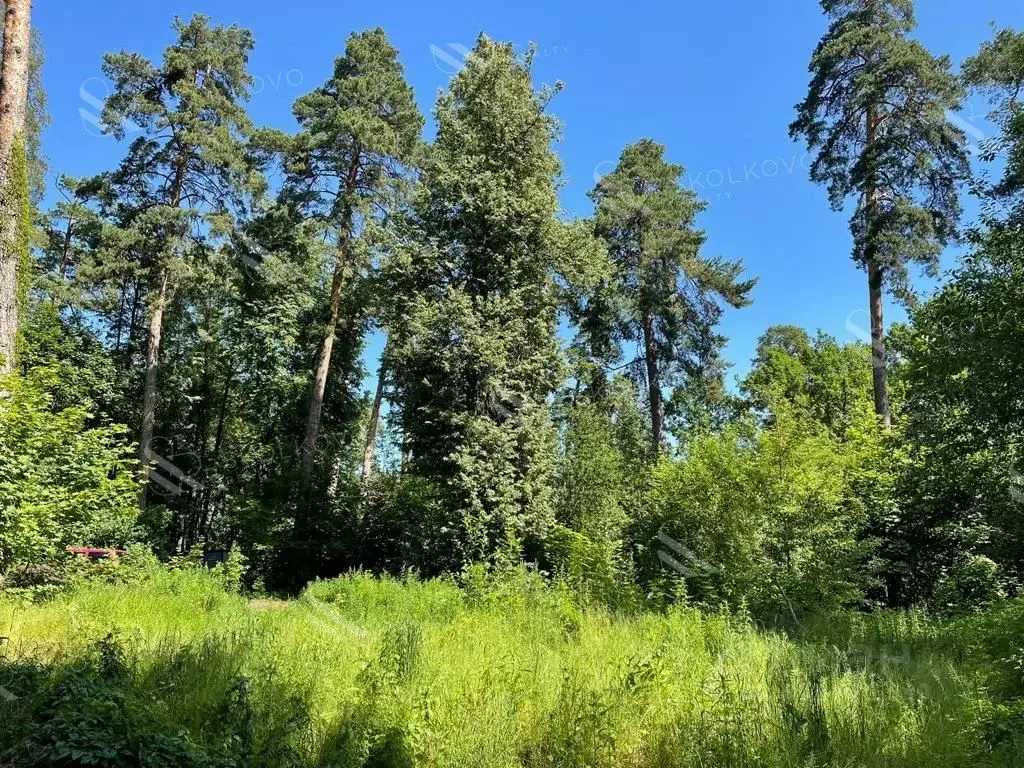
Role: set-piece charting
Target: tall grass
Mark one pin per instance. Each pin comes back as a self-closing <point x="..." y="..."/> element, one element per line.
<point x="362" y="671"/>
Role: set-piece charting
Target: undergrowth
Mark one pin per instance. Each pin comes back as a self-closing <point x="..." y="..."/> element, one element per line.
<point x="173" y="670"/>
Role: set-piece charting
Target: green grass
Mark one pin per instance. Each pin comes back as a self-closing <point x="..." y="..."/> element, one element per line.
<point x="366" y="672"/>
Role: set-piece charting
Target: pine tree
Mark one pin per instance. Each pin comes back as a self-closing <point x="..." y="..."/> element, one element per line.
<point x="185" y="179"/>
<point x="998" y="72"/>
<point x="14" y="181"/>
<point x="475" y="350"/>
<point x="359" y="131"/>
<point x="664" y="294"/>
<point x="875" y="114"/>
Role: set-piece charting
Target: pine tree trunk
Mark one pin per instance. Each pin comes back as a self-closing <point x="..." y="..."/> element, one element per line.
<point x="653" y="386"/>
<point x="879" y="378"/>
<point x="323" y="366"/>
<point x="13" y="106"/>
<point x="156" y="325"/>
<point x="156" y="329"/>
<point x="370" y="446"/>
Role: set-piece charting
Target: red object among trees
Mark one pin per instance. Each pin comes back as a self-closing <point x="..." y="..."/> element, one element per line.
<point x="95" y="553"/>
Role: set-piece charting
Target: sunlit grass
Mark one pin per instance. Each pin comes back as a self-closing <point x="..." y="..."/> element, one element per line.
<point x="361" y="671"/>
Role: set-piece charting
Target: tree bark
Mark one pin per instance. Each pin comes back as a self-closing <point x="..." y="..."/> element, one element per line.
<point x="13" y="105"/>
<point x="876" y="276"/>
<point x="156" y="324"/>
<point x="653" y="386"/>
<point x="879" y="377"/>
<point x="323" y="366"/>
<point x="370" y="446"/>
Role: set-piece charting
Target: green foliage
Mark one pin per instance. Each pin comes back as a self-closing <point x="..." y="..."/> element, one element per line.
<point x="147" y="245"/>
<point x="405" y="524"/>
<point x="195" y="286"/>
<point x="663" y="294"/>
<point x="819" y="379"/>
<point x="376" y="672"/>
<point x="358" y="129"/>
<point x="20" y="205"/>
<point x="974" y="584"/>
<point x="347" y="172"/>
<point x="65" y="481"/>
<point x="17" y="255"/>
<point x="475" y="348"/>
<point x="84" y="372"/>
<point x="772" y="520"/>
<point x="875" y="114"/>
<point x="592" y="503"/>
<point x="998" y="72"/>
<point x="961" y="362"/>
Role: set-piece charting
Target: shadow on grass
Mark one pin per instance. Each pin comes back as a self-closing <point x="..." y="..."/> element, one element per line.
<point x="224" y="701"/>
<point x="209" y="704"/>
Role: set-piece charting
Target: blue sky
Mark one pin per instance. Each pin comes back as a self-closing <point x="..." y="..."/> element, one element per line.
<point x="714" y="81"/>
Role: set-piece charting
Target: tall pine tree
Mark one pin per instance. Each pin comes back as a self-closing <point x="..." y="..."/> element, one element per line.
<point x="664" y="294"/>
<point x="359" y="131"/>
<point x="875" y="113"/>
<point x="186" y="176"/>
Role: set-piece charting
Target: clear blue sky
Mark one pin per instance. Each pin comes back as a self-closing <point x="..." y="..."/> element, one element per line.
<point x="714" y="81"/>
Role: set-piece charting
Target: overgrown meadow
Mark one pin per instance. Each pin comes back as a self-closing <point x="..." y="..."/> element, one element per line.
<point x="173" y="668"/>
<point x="623" y="557"/>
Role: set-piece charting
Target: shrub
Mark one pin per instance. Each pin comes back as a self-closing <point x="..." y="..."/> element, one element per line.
<point x="404" y="524"/>
<point x="63" y="480"/>
<point x="970" y="586"/>
<point x="767" y="519"/>
<point x="587" y="544"/>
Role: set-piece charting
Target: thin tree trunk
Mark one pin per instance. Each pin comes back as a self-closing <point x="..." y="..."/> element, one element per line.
<point x="323" y="367"/>
<point x="133" y="319"/>
<point x="62" y="270"/>
<point x="119" y="325"/>
<point x="879" y="378"/>
<point x="222" y="416"/>
<point x="156" y="327"/>
<point x="207" y="493"/>
<point x="370" y="446"/>
<point x="13" y="105"/>
<point x="156" y="324"/>
<point x="653" y="386"/>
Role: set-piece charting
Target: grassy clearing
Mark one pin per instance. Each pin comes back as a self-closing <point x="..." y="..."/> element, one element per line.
<point x="366" y="672"/>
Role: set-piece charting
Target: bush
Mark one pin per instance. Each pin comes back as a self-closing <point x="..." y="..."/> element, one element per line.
<point x="404" y="524"/>
<point x="63" y="480"/>
<point x="972" y="585"/>
<point x="592" y="495"/>
<point x="769" y="520"/>
<point x="105" y="709"/>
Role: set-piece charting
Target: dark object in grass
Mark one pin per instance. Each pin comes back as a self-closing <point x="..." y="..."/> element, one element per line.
<point x="214" y="557"/>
